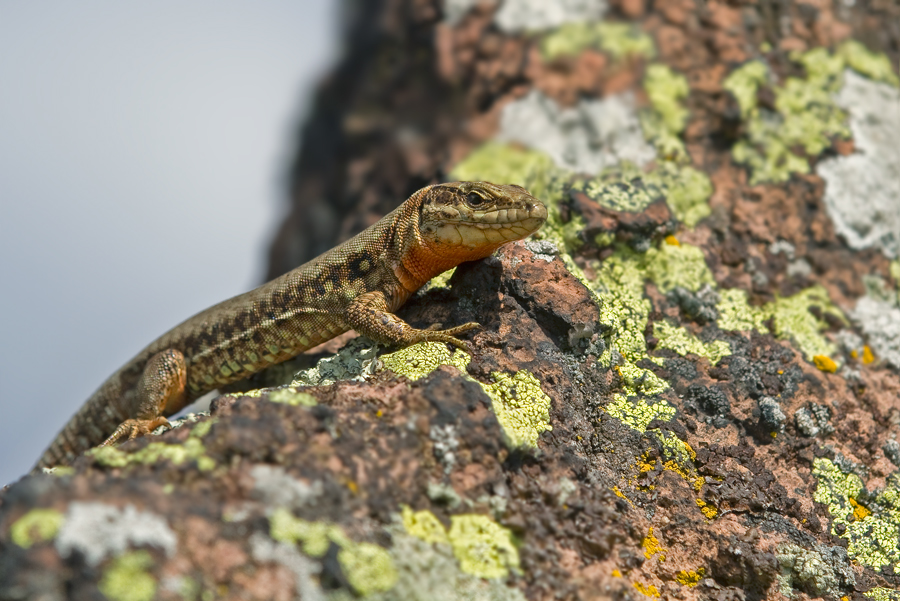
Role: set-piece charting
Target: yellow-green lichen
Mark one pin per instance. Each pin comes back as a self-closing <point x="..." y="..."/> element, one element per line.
<point x="619" y="40"/>
<point x="743" y="83"/>
<point x="419" y="360"/>
<point x="521" y="407"/>
<point x="202" y="428"/>
<point x="873" y="65"/>
<point x="678" y="265"/>
<point x="623" y="188"/>
<point x="683" y="342"/>
<point x="127" y="578"/>
<point x="883" y="594"/>
<point x="314" y="537"/>
<point x="667" y="115"/>
<point x="666" y="91"/>
<point x="36" y="526"/>
<point x="638" y="413"/>
<point x="872" y="535"/>
<point x="687" y="191"/>
<point x="806" y="116"/>
<point x="791" y="317"/>
<point x="191" y="449"/>
<point x="794" y="321"/>
<point x="736" y="314"/>
<point x="292" y="397"/>
<point x="482" y="546"/>
<point x="368" y="568"/>
<point x="424" y="525"/>
<point x="623" y="309"/>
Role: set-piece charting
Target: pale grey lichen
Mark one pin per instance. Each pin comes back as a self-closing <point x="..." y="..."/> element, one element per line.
<point x="305" y="570"/>
<point x="356" y="361"/>
<point x="98" y="531"/>
<point x="586" y="138"/>
<point x="276" y="488"/>
<point x="862" y="191"/>
<point x="880" y="323"/>
<point x="534" y="15"/>
<point x="455" y="10"/>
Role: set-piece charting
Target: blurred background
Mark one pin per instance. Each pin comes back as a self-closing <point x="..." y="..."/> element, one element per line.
<point x="144" y="159"/>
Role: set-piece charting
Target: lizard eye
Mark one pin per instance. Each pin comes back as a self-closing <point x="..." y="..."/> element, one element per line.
<point x="474" y="200"/>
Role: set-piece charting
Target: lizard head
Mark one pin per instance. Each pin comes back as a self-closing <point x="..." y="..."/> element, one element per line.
<point x="470" y="220"/>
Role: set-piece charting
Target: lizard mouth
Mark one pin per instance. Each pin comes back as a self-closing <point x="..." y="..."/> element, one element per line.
<point x="495" y="226"/>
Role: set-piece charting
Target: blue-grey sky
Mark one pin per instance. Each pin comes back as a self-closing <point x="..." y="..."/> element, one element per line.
<point x="143" y="159"/>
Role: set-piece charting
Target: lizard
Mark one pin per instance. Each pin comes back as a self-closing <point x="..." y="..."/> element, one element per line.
<point x="357" y="285"/>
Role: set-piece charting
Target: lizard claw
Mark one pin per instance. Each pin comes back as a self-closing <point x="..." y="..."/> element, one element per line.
<point x="132" y="428"/>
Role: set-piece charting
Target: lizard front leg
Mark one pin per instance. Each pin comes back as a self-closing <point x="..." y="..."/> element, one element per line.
<point x="368" y="314"/>
<point x="162" y="384"/>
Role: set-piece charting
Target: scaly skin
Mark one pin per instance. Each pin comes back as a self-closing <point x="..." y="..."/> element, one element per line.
<point x="357" y="285"/>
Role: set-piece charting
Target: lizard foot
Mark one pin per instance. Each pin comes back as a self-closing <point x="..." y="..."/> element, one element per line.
<point x="132" y="428"/>
<point x="431" y="334"/>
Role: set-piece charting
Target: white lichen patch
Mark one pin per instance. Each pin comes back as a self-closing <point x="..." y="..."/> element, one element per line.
<point x="535" y="15"/>
<point x="276" y="488"/>
<point x="862" y="191"/>
<point x="98" y="531"/>
<point x="880" y="322"/>
<point x="586" y="138"/>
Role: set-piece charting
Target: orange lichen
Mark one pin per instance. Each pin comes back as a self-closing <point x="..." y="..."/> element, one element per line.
<point x="859" y="511"/>
<point x="825" y="363"/>
<point x="672" y="240"/>
<point x="868" y="356"/>
<point x="690" y="578"/>
<point x="708" y="510"/>
<point x="652" y="546"/>
<point x="647" y="589"/>
<point x="616" y="574"/>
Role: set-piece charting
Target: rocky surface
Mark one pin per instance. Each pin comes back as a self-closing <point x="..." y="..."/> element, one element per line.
<point x="685" y="387"/>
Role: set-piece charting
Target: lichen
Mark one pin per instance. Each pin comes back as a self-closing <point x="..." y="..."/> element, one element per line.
<point x="36" y="526"/>
<point x="314" y="537"/>
<point x="292" y="397"/>
<point x="683" y="342"/>
<point x="482" y="546"/>
<point x="638" y="413"/>
<point x="417" y="361"/>
<point x="190" y="450"/>
<point x="652" y="546"/>
<point x="431" y="572"/>
<point x="355" y="361"/>
<point x="687" y="191"/>
<point x="127" y="578"/>
<point x="677" y="265"/>
<point x="736" y="314"/>
<point x="424" y="525"/>
<point x="806" y="115"/>
<point x="619" y="40"/>
<point x="806" y="570"/>
<point x="666" y="117"/>
<point x="521" y="407"/>
<point x="690" y="578"/>
<point x="97" y="531"/>
<point x="883" y="594"/>
<point x="791" y="318"/>
<point x="794" y="321"/>
<point x="872" y="536"/>
<point x="873" y="65"/>
<point x="621" y="189"/>
<point x="368" y="568"/>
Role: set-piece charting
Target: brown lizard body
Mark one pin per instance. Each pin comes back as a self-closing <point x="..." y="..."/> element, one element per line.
<point x="357" y="285"/>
